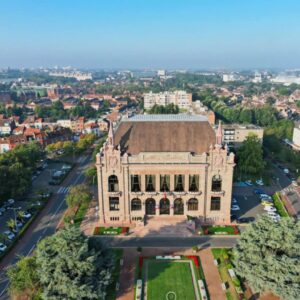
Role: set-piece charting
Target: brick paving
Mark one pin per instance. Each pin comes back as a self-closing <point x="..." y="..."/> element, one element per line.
<point x="212" y="277"/>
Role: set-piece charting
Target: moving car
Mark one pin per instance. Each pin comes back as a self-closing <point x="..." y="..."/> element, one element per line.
<point x="10" y="201"/>
<point x="249" y="182"/>
<point x="234" y="200"/>
<point x="235" y="207"/>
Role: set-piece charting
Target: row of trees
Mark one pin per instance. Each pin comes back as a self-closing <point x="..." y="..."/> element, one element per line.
<point x="161" y="109"/>
<point x="16" y="169"/>
<point x="67" y="265"/>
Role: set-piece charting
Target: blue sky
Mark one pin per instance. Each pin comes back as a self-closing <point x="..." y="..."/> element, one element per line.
<point x="150" y="33"/>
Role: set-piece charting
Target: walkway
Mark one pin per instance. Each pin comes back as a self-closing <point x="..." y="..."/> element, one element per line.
<point x="212" y="276"/>
<point x="127" y="275"/>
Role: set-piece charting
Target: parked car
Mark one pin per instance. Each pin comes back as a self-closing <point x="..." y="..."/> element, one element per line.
<point x="294" y="183"/>
<point x="249" y="182"/>
<point x="259" y="182"/>
<point x="2" y="247"/>
<point x="27" y="215"/>
<point x="272" y="213"/>
<point x="233" y="218"/>
<point x="2" y="209"/>
<point x="234" y="200"/>
<point x="258" y="191"/>
<point x="261" y="196"/>
<point x="286" y="171"/>
<point x="266" y="203"/>
<point x="235" y="207"/>
<point x="245" y="219"/>
<point x="10" y="201"/>
<point x="270" y="208"/>
<point x="10" y="235"/>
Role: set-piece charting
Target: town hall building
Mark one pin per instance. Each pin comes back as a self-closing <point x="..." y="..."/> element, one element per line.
<point x="154" y="166"/>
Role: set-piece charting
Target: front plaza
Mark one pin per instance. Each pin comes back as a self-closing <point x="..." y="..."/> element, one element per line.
<point x="158" y="166"/>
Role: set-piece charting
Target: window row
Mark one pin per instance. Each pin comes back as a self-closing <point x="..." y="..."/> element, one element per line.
<point x="164" y="205"/>
<point x="164" y="183"/>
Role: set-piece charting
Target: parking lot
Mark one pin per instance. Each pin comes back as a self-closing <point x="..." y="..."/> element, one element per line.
<point x="31" y="202"/>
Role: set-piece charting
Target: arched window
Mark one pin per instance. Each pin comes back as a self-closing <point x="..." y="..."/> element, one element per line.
<point x="164" y="206"/>
<point x="216" y="183"/>
<point x="192" y="204"/>
<point x="113" y="183"/>
<point x="136" y="204"/>
<point x="178" y="207"/>
<point x="150" y="206"/>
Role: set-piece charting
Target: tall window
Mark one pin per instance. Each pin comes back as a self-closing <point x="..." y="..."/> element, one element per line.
<point x="150" y="183"/>
<point x="136" y="204"/>
<point x="164" y="183"/>
<point x="179" y="183"/>
<point x="135" y="183"/>
<point x="113" y="203"/>
<point x="216" y="184"/>
<point x="215" y="203"/>
<point x="192" y="204"/>
<point x="194" y="183"/>
<point x="113" y="183"/>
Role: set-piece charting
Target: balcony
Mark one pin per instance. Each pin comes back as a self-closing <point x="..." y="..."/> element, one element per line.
<point x="195" y="193"/>
<point x="115" y="193"/>
<point x="218" y="193"/>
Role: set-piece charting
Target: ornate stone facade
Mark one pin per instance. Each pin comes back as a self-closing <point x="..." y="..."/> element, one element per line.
<point x="132" y="186"/>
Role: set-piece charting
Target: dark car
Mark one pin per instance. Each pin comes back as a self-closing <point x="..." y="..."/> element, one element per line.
<point x="258" y="191"/>
<point x="245" y="220"/>
<point x="233" y="218"/>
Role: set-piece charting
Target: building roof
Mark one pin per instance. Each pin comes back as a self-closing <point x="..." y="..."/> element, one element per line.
<point x="165" y="133"/>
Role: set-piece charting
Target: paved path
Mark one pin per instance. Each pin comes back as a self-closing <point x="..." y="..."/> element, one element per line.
<point x="212" y="276"/>
<point x="127" y="274"/>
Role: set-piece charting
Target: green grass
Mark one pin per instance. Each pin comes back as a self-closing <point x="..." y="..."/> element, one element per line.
<point x="80" y="213"/>
<point x="111" y="290"/>
<point x="109" y="230"/>
<point x="164" y="277"/>
<point x="279" y="206"/>
<point x="219" y="230"/>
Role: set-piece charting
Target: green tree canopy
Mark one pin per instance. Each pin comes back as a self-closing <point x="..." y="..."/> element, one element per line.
<point x="250" y="157"/>
<point x="267" y="255"/>
<point x="78" y="195"/>
<point x="70" y="267"/>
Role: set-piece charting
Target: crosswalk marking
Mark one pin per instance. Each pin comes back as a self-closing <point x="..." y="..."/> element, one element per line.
<point x="63" y="190"/>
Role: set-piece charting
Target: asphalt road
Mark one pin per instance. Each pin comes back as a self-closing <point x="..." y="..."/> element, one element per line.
<point x="45" y="223"/>
<point x="170" y="242"/>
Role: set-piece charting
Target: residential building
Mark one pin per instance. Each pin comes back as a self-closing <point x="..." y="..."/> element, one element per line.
<point x="180" y="98"/>
<point x="296" y="135"/>
<point x="235" y="134"/>
<point x="156" y="166"/>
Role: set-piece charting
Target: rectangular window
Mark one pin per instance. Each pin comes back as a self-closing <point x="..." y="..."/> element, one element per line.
<point x="179" y="183"/>
<point x="194" y="183"/>
<point x="215" y="203"/>
<point x="150" y="183"/>
<point x="135" y="183"/>
<point x="164" y="183"/>
<point x="113" y="203"/>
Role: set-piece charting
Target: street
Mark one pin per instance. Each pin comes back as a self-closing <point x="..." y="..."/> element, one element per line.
<point x="44" y="224"/>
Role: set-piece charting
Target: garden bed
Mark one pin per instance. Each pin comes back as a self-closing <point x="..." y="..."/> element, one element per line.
<point x="111" y="230"/>
<point x="234" y="289"/>
<point x="220" y="230"/>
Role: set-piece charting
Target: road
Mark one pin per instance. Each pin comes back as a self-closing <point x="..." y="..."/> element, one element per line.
<point x="45" y="223"/>
<point x="170" y="242"/>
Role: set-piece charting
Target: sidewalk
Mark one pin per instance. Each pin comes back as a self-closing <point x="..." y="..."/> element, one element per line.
<point x="212" y="276"/>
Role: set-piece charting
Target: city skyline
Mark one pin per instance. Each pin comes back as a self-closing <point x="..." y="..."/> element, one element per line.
<point x="172" y="34"/>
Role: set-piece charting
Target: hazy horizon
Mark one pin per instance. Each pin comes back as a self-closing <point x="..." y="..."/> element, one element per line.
<point x="155" y="34"/>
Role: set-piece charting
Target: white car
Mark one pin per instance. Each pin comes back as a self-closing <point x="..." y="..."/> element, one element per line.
<point x="249" y="182"/>
<point x="272" y="213"/>
<point x="259" y="182"/>
<point x="294" y="183"/>
<point x="270" y="208"/>
<point x="2" y="247"/>
<point x="286" y="171"/>
<point x="234" y="200"/>
<point x="11" y="201"/>
<point x="265" y="196"/>
<point x="27" y="215"/>
<point x="235" y="207"/>
<point x="19" y="224"/>
<point x="10" y="235"/>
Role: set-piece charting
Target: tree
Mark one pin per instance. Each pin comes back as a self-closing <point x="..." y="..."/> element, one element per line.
<point x="78" y="194"/>
<point x="23" y="277"/>
<point x="73" y="268"/>
<point x="91" y="174"/>
<point x="267" y="255"/>
<point x="250" y="157"/>
<point x="11" y="224"/>
<point x="270" y="100"/>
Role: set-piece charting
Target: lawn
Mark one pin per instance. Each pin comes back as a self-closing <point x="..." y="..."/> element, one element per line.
<point x="279" y="206"/>
<point x="168" y="276"/>
<point x="110" y="230"/>
<point x="218" y="229"/>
